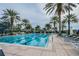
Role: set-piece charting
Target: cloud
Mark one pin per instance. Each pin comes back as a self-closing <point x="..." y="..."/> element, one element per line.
<point x="36" y="18"/>
<point x="32" y="12"/>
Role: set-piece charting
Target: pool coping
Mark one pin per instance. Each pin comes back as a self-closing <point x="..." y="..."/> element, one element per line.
<point x="47" y="47"/>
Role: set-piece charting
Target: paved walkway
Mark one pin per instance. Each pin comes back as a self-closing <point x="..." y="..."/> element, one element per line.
<point x="59" y="48"/>
<point x="62" y="48"/>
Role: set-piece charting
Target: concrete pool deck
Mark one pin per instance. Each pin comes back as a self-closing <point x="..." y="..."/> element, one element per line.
<point x="59" y="48"/>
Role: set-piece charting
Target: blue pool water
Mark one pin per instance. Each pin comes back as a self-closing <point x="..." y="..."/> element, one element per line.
<point x="33" y="39"/>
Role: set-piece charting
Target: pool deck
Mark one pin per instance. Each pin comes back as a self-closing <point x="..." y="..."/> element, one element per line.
<point x="59" y="48"/>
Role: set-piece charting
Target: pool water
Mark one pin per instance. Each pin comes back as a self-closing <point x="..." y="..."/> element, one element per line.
<point x="34" y="39"/>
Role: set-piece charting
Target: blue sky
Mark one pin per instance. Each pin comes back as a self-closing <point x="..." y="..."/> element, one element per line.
<point x="31" y="11"/>
<point x="34" y="13"/>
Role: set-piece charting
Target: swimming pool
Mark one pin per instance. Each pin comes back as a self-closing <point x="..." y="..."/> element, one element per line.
<point x="34" y="39"/>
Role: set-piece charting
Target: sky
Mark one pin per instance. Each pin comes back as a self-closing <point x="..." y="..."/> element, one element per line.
<point x="33" y="12"/>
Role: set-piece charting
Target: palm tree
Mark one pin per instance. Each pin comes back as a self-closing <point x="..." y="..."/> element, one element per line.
<point x="29" y="27"/>
<point x="4" y="26"/>
<point x="70" y="18"/>
<point x="37" y="28"/>
<point x="64" y="21"/>
<point x="58" y="8"/>
<point x="26" y="24"/>
<point x="54" y="20"/>
<point x="19" y="26"/>
<point x="48" y="27"/>
<point x="10" y="15"/>
<point x="70" y="5"/>
<point x="44" y="30"/>
<point x="32" y="30"/>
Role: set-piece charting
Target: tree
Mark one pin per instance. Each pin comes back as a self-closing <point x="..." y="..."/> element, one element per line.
<point x="29" y="27"/>
<point x="18" y="27"/>
<point x="70" y="18"/>
<point x="10" y="15"/>
<point x="26" y="24"/>
<point x="64" y="21"/>
<point x="4" y="26"/>
<point x="54" y="20"/>
<point x="69" y="8"/>
<point x="48" y="27"/>
<point x="37" y="29"/>
<point x="58" y="9"/>
<point x="44" y="30"/>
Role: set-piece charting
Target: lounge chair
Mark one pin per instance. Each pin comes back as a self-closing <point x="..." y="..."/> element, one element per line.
<point x="1" y="52"/>
<point x="77" y="39"/>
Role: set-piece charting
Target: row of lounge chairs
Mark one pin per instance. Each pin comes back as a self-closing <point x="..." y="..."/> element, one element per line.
<point x="71" y="38"/>
<point x="75" y="38"/>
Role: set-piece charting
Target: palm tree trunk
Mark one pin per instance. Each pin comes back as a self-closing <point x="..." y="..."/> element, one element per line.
<point x="59" y="24"/>
<point x="62" y="28"/>
<point x="11" y="25"/>
<point x="69" y="25"/>
<point x="54" y="26"/>
<point x="69" y="22"/>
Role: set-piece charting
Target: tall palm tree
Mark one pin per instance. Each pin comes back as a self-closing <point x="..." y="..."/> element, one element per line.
<point x="10" y="15"/>
<point x="70" y="18"/>
<point x="70" y="5"/>
<point x="54" y="20"/>
<point x="58" y="8"/>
